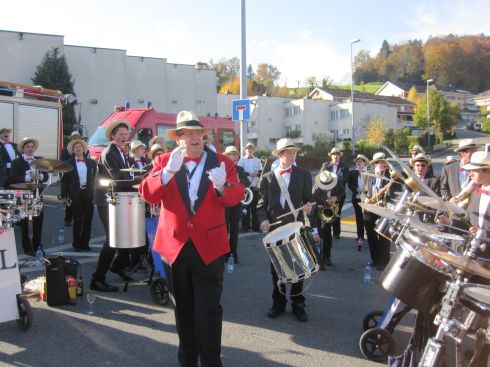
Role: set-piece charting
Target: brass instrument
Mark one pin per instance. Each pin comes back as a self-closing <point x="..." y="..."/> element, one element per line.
<point x="463" y="198"/>
<point x="263" y="161"/>
<point x="381" y="195"/>
<point x="249" y="196"/>
<point x="328" y="212"/>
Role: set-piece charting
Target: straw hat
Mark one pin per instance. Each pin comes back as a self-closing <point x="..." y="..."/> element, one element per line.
<point x="72" y="143"/>
<point x="479" y="160"/>
<point x="20" y="145"/>
<point x="113" y="125"/>
<point x="155" y="139"/>
<point x="451" y="159"/>
<point x="362" y="158"/>
<point x="466" y="144"/>
<point x="377" y="157"/>
<point x="284" y="144"/>
<point x="421" y="157"/>
<point x="335" y="150"/>
<point x="135" y="144"/>
<point x="154" y="149"/>
<point x="230" y="149"/>
<point x="326" y="180"/>
<point x="249" y="146"/>
<point x="187" y="120"/>
<point x="417" y="148"/>
<point x="75" y="133"/>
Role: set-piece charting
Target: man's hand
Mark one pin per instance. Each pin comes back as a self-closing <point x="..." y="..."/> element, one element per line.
<point x="307" y="208"/>
<point x="442" y="219"/>
<point x="474" y="230"/>
<point x="316" y="237"/>
<point x="176" y="159"/>
<point x="332" y="200"/>
<point x="265" y="226"/>
<point x="366" y="201"/>
<point x="218" y="176"/>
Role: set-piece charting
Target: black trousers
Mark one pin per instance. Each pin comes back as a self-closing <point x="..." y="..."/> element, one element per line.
<point x="326" y="233"/>
<point x="379" y="247"/>
<point x="232" y="216"/>
<point x="279" y="295"/>
<point x="68" y="213"/>
<point x="83" y="211"/>
<point x="107" y="253"/>
<point x="359" y="218"/>
<point x="252" y="212"/>
<point x="196" y="288"/>
<point x="336" y="222"/>
<point x="37" y="231"/>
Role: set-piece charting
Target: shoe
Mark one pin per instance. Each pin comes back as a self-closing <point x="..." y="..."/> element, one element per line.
<point x="96" y="285"/>
<point x="359" y="244"/>
<point x="275" y="311"/>
<point x="124" y="276"/>
<point x="327" y="262"/>
<point x="300" y="313"/>
<point x="322" y="267"/>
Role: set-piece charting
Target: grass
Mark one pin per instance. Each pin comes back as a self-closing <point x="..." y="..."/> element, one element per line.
<point x="368" y="88"/>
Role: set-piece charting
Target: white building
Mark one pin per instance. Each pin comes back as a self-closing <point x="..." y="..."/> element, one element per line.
<point x="105" y="77"/>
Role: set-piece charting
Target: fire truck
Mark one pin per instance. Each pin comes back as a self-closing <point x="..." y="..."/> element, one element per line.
<point x="35" y="112"/>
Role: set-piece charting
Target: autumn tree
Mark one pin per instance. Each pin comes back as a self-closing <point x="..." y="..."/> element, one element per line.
<point x="267" y="75"/>
<point x="376" y="131"/>
<point x="364" y="69"/>
<point x="413" y="95"/>
<point x="311" y="81"/>
<point x="226" y="69"/>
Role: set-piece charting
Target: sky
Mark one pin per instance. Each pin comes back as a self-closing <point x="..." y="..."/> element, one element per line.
<point x="301" y="38"/>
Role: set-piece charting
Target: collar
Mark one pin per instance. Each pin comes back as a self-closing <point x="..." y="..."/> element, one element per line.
<point x="188" y="159"/>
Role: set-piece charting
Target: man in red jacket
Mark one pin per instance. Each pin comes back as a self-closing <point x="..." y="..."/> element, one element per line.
<point x="194" y="185"/>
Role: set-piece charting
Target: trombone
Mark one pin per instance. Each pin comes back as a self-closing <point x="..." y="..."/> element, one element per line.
<point x="263" y="162"/>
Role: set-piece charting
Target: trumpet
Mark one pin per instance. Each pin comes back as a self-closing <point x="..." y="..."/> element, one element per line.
<point x="328" y="212"/>
<point x="249" y="196"/>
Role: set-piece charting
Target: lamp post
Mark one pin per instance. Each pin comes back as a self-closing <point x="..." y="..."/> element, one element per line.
<point x="352" y="95"/>
<point x="428" y="114"/>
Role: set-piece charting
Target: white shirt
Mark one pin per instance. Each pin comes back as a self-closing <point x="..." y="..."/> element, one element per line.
<point x="360" y="182"/>
<point x="82" y="172"/>
<point x="484" y="207"/>
<point x="287" y="179"/>
<point x="252" y="165"/>
<point x="138" y="162"/>
<point x="10" y="151"/>
<point x="27" y="177"/>
<point x="463" y="176"/>
<point x="335" y="166"/>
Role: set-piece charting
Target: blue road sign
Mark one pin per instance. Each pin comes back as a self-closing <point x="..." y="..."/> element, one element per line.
<point x="240" y="109"/>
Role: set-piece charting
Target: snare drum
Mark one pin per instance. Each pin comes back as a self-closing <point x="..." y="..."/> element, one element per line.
<point x="127" y="221"/>
<point x="291" y="253"/>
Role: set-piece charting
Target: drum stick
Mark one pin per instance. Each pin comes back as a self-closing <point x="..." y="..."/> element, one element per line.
<point x="293" y="211"/>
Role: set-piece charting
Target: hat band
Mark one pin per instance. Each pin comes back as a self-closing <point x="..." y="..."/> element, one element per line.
<point x="480" y="164"/>
<point x="192" y="123"/>
<point x="326" y="183"/>
<point x="287" y="147"/>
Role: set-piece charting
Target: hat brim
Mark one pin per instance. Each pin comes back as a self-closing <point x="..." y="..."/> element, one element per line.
<point x="72" y="143"/>
<point x="428" y="161"/>
<point x="136" y="147"/>
<point x="331" y="153"/>
<point x="328" y="186"/>
<point x="361" y="159"/>
<point x="249" y="147"/>
<point x="172" y="133"/>
<point x="113" y="125"/>
<point x="231" y="152"/>
<point x="5" y="129"/>
<point x="473" y="166"/>
<point x="151" y="153"/>
<point x="20" y="145"/>
<point x="277" y="151"/>
<point x="374" y="161"/>
<point x="471" y="146"/>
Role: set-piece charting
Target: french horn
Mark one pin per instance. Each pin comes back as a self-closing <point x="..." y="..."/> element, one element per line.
<point x="328" y="212"/>
<point x="249" y="196"/>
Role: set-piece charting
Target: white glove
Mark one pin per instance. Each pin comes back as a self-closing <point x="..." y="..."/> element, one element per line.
<point x="218" y="176"/>
<point x="176" y="159"/>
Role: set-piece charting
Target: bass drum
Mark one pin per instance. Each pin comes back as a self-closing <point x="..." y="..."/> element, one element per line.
<point x="127" y="221"/>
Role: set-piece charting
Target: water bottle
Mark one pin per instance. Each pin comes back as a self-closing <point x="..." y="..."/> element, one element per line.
<point x="367" y="273"/>
<point x="61" y="235"/>
<point x="39" y="257"/>
<point x="231" y="264"/>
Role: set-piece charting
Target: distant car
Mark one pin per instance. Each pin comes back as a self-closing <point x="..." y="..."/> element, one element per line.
<point x="469" y="126"/>
<point x="478" y="126"/>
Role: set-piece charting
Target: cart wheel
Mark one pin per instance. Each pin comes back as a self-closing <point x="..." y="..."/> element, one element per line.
<point x="24" y="321"/>
<point x="377" y="344"/>
<point x="159" y="292"/>
<point x="371" y="320"/>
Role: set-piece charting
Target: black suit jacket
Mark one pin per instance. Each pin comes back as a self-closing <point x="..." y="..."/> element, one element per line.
<point x="353" y="183"/>
<point x="70" y="182"/>
<point x="342" y="171"/>
<point x="5" y="155"/>
<point x="18" y="171"/>
<point x="242" y="176"/>
<point x="3" y="173"/>
<point x="300" y="191"/>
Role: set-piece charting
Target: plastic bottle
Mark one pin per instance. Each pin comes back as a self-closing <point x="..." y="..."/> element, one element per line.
<point x="231" y="264"/>
<point x="61" y="235"/>
<point x="39" y="257"/>
<point x="367" y="273"/>
<point x="80" y="287"/>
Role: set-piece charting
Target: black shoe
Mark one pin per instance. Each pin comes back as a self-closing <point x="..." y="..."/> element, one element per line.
<point x="124" y="276"/>
<point x="86" y="248"/>
<point x="327" y="262"/>
<point x="76" y="248"/>
<point x="300" y="313"/>
<point x="96" y="285"/>
<point x="380" y="267"/>
<point x="275" y="311"/>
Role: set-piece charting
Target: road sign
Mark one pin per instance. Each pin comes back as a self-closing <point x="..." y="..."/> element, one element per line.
<point x="240" y="109"/>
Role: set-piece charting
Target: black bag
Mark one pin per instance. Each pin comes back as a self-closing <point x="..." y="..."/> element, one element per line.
<point x="57" y="269"/>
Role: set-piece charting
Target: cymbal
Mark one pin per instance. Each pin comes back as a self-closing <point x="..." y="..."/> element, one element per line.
<point x="133" y="170"/>
<point x="378" y="210"/>
<point x="435" y="204"/>
<point x="463" y="263"/>
<point x="28" y="185"/>
<point x="375" y="176"/>
<point x="51" y="165"/>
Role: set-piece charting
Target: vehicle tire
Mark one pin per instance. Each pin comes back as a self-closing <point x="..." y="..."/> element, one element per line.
<point x="377" y="344"/>
<point x="159" y="291"/>
<point x="24" y="321"/>
<point x="372" y="320"/>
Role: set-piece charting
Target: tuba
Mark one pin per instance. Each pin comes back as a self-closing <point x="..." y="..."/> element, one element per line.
<point x="248" y="197"/>
<point x="328" y="212"/>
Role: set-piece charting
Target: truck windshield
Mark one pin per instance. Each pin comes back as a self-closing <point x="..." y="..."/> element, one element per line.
<point x="98" y="139"/>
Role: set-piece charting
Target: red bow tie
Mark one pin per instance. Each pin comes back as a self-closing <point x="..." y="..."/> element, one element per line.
<point x="81" y="160"/>
<point x="188" y="159"/>
<point x="461" y="169"/>
<point x="288" y="170"/>
<point x="482" y="192"/>
<point x="6" y="142"/>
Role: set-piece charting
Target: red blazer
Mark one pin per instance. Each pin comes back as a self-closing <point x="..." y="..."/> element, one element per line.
<point x="176" y="224"/>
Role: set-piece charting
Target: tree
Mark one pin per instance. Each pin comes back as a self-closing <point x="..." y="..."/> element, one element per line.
<point x="226" y="69"/>
<point x="250" y="72"/>
<point x="311" y="81"/>
<point x="53" y="73"/>
<point x="376" y="131"/>
<point x="397" y="140"/>
<point x="413" y="95"/>
<point x="364" y="69"/>
<point x="485" y="125"/>
<point x="327" y="82"/>
<point x="267" y="75"/>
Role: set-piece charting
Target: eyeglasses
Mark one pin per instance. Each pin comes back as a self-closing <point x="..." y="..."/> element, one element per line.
<point x="420" y="165"/>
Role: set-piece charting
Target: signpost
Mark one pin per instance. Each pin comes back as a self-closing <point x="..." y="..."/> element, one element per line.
<point x="240" y="110"/>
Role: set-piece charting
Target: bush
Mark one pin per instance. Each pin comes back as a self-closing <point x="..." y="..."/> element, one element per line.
<point x="485" y="125"/>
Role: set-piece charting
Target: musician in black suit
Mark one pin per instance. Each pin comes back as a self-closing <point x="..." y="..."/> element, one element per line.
<point x="234" y="213"/>
<point x="374" y="192"/>
<point x="355" y="184"/>
<point x="8" y="149"/>
<point x="273" y="203"/>
<point x="420" y="166"/>
<point x="342" y="172"/>
<point x="3" y="173"/>
<point x="78" y="186"/>
<point x="21" y="172"/>
<point x="112" y="160"/>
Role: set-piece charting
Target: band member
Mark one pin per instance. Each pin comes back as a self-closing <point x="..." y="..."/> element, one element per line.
<point x="193" y="185"/>
<point x="157" y="139"/>
<point x="78" y="186"/>
<point x="8" y="149"/>
<point x="138" y="159"/>
<point x="328" y="191"/>
<point x="450" y="159"/>
<point x="355" y="185"/>
<point x="234" y="213"/>
<point x="112" y="160"/>
<point x="3" y="173"/>
<point x="373" y="192"/>
<point x="21" y="171"/>
<point x="155" y="151"/>
<point x="65" y="156"/>
<point x="274" y="203"/>
<point x="420" y="165"/>
<point x="417" y="149"/>
<point x="342" y="172"/>
<point x="253" y="167"/>
<point x="453" y="176"/>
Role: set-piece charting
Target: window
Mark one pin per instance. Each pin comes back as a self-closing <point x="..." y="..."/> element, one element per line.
<point x="345" y="131"/>
<point x="334" y="115"/>
<point x="162" y="131"/>
<point x="343" y="114"/>
<point x="226" y="138"/>
<point x="297" y="127"/>
<point x="143" y="135"/>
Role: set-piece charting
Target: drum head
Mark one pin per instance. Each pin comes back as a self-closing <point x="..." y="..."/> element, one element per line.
<point x="281" y="233"/>
<point x="478" y="293"/>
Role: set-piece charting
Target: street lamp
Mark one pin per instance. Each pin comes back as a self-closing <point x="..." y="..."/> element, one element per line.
<point x="428" y="114"/>
<point x="352" y="95"/>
